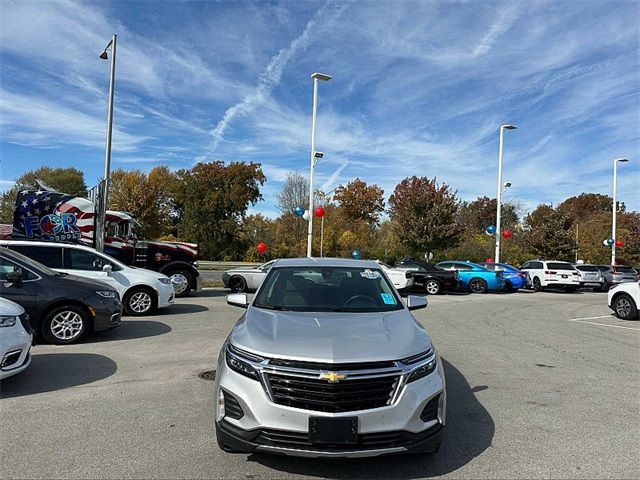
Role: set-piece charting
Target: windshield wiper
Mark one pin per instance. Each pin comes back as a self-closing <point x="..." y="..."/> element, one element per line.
<point x="273" y="307"/>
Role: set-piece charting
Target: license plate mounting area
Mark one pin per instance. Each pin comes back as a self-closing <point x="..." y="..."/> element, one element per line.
<point x="335" y="431"/>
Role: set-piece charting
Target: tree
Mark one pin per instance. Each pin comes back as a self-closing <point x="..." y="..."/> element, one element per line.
<point x="582" y="207"/>
<point x="549" y="234"/>
<point x="358" y="201"/>
<point x="148" y="197"/>
<point x="294" y="193"/>
<point x="211" y="202"/>
<point x="474" y="217"/>
<point x="424" y="214"/>
<point x="257" y="228"/>
<point x="65" y="180"/>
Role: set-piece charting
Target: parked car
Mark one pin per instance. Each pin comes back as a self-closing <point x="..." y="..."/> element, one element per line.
<point x="16" y="338"/>
<point x="401" y="279"/>
<point x="243" y="279"/>
<point x="428" y="277"/>
<point x="328" y="362"/>
<point x="62" y="308"/>
<point x="590" y="276"/>
<point x="475" y="277"/>
<point x="514" y="278"/>
<point x="614" y="274"/>
<point x="623" y="299"/>
<point x="553" y="274"/>
<point x="142" y="291"/>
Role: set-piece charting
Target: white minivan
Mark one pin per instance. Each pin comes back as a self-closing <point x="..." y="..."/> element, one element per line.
<point x="142" y="291"/>
<point x="16" y="338"/>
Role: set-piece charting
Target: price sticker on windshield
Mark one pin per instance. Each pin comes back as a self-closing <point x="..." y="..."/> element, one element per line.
<point x="370" y="274"/>
<point x="388" y="299"/>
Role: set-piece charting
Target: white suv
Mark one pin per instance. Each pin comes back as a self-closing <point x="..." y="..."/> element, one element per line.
<point x="624" y="299"/>
<point x="141" y="290"/>
<point x="553" y="274"/>
<point x="15" y="338"/>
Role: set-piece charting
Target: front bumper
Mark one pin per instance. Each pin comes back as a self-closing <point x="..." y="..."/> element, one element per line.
<point x="394" y="428"/>
<point x="166" y="295"/>
<point x="15" y="350"/>
<point x="108" y="312"/>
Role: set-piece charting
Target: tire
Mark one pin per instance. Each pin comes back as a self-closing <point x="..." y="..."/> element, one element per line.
<point x="65" y="325"/>
<point x="182" y="280"/>
<point x="508" y="286"/>
<point x="537" y="286"/>
<point x="432" y="287"/>
<point x="238" y="284"/>
<point x="478" y="285"/>
<point x="625" y="308"/>
<point x="139" y="301"/>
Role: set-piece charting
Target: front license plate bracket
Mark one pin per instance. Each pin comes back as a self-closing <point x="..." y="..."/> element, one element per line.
<point x="335" y="431"/>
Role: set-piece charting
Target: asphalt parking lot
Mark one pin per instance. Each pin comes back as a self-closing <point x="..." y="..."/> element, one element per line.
<point x="540" y="385"/>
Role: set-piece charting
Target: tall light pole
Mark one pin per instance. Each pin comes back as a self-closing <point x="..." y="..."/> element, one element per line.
<point x="314" y="154"/>
<point x="101" y="222"/>
<point x="500" y="157"/>
<point x="615" y="207"/>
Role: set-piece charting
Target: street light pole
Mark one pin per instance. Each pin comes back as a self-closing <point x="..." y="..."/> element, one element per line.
<point x="615" y="207"/>
<point x="314" y="155"/>
<point x="101" y="222"/>
<point x="499" y="199"/>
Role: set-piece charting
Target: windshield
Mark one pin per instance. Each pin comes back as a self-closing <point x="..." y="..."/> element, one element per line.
<point x="624" y="269"/>
<point x="27" y="262"/>
<point x="327" y="289"/>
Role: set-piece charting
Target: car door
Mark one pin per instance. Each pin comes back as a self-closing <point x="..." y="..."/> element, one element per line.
<point x="24" y="295"/>
<point x="89" y="265"/>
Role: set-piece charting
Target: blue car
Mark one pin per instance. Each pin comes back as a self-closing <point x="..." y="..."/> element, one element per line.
<point x="475" y="277"/>
<point x="514" y="279"/>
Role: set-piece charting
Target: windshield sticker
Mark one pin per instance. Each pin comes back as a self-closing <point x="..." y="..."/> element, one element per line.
<point x="388" y="299"/>
<point x="370" y="274"/>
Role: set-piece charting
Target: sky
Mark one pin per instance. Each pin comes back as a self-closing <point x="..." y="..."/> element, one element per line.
<point x="418" y="88"/>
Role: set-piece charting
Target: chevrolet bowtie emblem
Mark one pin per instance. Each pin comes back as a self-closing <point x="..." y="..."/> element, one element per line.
<point x="332" y="377"/>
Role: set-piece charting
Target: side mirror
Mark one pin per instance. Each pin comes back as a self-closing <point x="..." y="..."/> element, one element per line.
<point x="15" y="278"/>
<point x="238" y="300"/>
<point x="107" y="269"/>
<point x="415" y="302"/>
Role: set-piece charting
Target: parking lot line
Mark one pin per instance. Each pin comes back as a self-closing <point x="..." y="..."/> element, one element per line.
<point x="590" y="318"/>
<point x="579" y="320"/>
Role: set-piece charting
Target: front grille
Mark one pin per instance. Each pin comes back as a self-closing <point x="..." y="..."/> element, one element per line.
<point x="366" y="441"/>
<point x="334" y="367"/>
<point x="26" y="322"/>
<point x="321" y="396"/>
<point x="430" y="411"/>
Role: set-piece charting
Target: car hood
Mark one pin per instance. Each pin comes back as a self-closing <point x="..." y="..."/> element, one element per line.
<point x="71" y="280"/>
<point x="7" y="307"/>
<point x="330" y="337"/>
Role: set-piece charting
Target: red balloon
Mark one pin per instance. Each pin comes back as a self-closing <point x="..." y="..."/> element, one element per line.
<point x="619" y="243"/>
<point x="507" y="234"/>
<point x="490" y="260"/>
<point x="320" y="212"/>
<point x="262" y="247"/>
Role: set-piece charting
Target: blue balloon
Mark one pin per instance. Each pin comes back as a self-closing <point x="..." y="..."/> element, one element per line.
<point x="356" y="254"/>
<point x="298" y="211"/>
<point x="610" y="241"/>
<point x="491" y="229"/>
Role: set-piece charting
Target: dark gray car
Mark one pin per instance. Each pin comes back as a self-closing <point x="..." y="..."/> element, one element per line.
<point x="615" y="274"/>
<point x="62" y="308"/>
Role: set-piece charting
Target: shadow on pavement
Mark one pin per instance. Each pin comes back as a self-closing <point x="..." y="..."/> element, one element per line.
<point x="180" y="308"/>
<point x="129" y="330"/>
<point x="468" y="432"/>
<point x="54" y="371"/>
<point x="212" y="292"/>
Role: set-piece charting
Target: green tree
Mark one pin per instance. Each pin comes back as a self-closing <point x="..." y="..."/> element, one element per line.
<point x="425" y="213"/>
<point x="211" y="203"/>
<point x="66" y="180"/>
<point x="549" y="234"/>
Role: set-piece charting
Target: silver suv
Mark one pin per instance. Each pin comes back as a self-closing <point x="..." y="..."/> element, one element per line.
<point x="328" y="362"/>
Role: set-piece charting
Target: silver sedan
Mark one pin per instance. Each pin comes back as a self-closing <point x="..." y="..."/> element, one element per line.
<point x="246" y="278"/>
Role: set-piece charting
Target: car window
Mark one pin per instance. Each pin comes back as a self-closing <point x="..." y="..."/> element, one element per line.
<point x="75" y="259"/>
<point x="624" y="269"/>
<point x="587" y="268"/>
<point x="603" y="268"/>
<point x="50" y="256"/>
<point x="7" y="267"/>
<point x="559" y="266"/>
<point x="21" y="259"/>
<point x="462" y="266"/>
<point x="327" y="289"/>
<point x="445" y="265"/>
<point x="267" y="266"/>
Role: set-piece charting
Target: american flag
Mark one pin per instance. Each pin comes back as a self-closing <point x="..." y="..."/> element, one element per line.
<point x="42" y="202"/>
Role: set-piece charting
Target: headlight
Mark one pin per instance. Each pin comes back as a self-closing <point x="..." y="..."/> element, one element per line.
<point x="165" y="280"/>
<point x="423" y="368"/>
<point x="7" y="320"/>
<point x="107" y="293"/>
<point x="236" y="359"/>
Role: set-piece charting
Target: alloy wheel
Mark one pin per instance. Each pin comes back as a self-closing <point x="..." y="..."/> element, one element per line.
<point x="623" y="307"/>
<point x="432" y="287"/>
<point x="140" y="302"/>
<point x="477" y="286"/>
<point x="66" y="325"/>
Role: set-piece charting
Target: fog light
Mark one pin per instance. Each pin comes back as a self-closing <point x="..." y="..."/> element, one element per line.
<point x="220" y="412"/>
